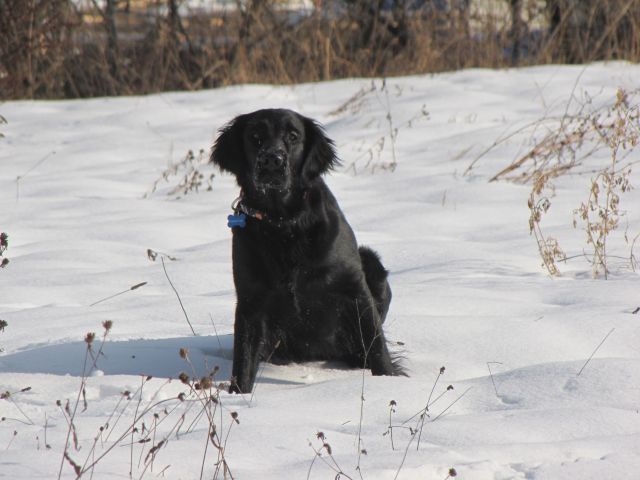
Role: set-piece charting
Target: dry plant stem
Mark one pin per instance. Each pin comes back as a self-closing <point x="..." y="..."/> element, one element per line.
<point x="390" y="427"/>
<point x="426" y="408"/>
<point x="333" y="466"/>
<point x="547" y="247"/>
<point x="206" y="401"/>
<point x="594" y="352"/>
<point x="499" y="141"/>
<point x="8" y="396"/>
<point x="452" y="404"/>
<point x="375" y="149"/>
<point x="32" y="168"/>
<point x="140" y="415"/>
<point x="134" y="287"/>
<point x="215" y="330"/>
<point x="415" y="431"/>
<point x="125" y="395"/>
<point x="177" y="295"/>
<point x="133" y="430"/>
<point x="632" y="258"/>
<point x="393" y="132"/>
<point x="549" y="143"/>
<point x="127" y="432"/>
<point x="422" y="414"/>
<point x="362" y="399"/>
<point x="83" y="381"/>
<point x="491" y="375"/>
<point x="601" y="217"/>
<point x="15" y="434"/>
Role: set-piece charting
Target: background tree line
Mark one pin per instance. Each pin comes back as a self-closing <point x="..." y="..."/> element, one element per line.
<point x="83" y="48"/>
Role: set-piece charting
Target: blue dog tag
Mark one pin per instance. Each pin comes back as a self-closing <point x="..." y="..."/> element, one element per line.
<point x="237" y="220"/>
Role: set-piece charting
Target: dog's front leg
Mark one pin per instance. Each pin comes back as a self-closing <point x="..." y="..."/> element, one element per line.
<point x="248" y="348"/>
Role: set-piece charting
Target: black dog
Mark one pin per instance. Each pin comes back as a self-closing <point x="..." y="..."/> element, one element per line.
<point x="305" y="290"/>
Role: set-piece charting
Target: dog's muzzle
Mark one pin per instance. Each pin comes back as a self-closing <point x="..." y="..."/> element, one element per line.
<point x="271" y="169"/>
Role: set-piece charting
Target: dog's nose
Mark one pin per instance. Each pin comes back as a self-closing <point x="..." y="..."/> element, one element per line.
<point x="272" y="160"/>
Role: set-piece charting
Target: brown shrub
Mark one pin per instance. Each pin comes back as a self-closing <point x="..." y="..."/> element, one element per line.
<point x="59" y="48"/>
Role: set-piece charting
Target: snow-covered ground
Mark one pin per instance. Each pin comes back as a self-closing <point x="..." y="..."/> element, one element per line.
<point x="469" y="292"/>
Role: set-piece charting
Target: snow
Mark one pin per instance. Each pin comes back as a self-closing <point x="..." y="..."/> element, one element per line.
<point x="469" y="291"/>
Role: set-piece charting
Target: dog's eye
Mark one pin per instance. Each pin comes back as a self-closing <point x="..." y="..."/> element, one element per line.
<point x="257" y="140"/>
<point x="293" y="136"/>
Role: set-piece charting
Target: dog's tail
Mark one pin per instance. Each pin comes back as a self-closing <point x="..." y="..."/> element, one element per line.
<point x="376" y="276"/>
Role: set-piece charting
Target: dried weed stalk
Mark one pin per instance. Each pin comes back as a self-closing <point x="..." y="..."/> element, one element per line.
<point x="420" y="417"/>
<point x="379" y="154"/>
<point x="189" y="173"/>
<point x="575" y="145"/>
<point x="548" y="247"/>
<point x="601" y="212"/>
<point x="329" y="460"/>
<point x="154" y="423"/>
<point x="9" y="396"/>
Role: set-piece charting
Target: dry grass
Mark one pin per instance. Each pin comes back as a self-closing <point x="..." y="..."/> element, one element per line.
<point x="153" y="423"/>
<point x="595" y="141"/>
<point x="53" y="49"/>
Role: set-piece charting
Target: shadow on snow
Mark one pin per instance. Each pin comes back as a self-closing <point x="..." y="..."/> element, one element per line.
<point x="158" y="358"/>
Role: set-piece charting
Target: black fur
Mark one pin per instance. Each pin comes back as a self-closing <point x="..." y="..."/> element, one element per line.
<point x="305" y="290"/>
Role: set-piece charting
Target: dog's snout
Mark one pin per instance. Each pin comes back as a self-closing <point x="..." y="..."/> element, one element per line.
<point x="274" y="160"/>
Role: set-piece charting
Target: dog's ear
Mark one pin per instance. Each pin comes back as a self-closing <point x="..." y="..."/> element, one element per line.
<point x="320" y="154"/>
<point x="228" y="151"/>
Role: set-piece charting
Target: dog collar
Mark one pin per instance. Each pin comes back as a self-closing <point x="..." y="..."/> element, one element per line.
<point x="241" y="211"/>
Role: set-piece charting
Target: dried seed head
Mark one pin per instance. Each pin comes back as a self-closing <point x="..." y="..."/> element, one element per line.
<point x="234" y="415"/>
<point x="183" y="377"/>
<point x="205" y="383"/>
<point x="184" y="353"/>
<point x="107" y="324"/>
<point x="89" y="338"/>
<point x="442" y="370"/>
<point x="452" y="472"/>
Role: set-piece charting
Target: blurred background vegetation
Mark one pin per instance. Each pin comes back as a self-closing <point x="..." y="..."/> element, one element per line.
<point x="85" y="48"/>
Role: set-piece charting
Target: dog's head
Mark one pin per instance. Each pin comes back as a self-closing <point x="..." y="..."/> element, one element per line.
<point x="273" y="150"/>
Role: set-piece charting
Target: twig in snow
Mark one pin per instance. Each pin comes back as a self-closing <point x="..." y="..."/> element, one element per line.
<point x="136" y="286"/>
<point x="177" y="295"/>
<point x="491" y="375"/>
<point x="9" y="396"/>
<point x="594" y="352"/>
<point x="33" y="167"/>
